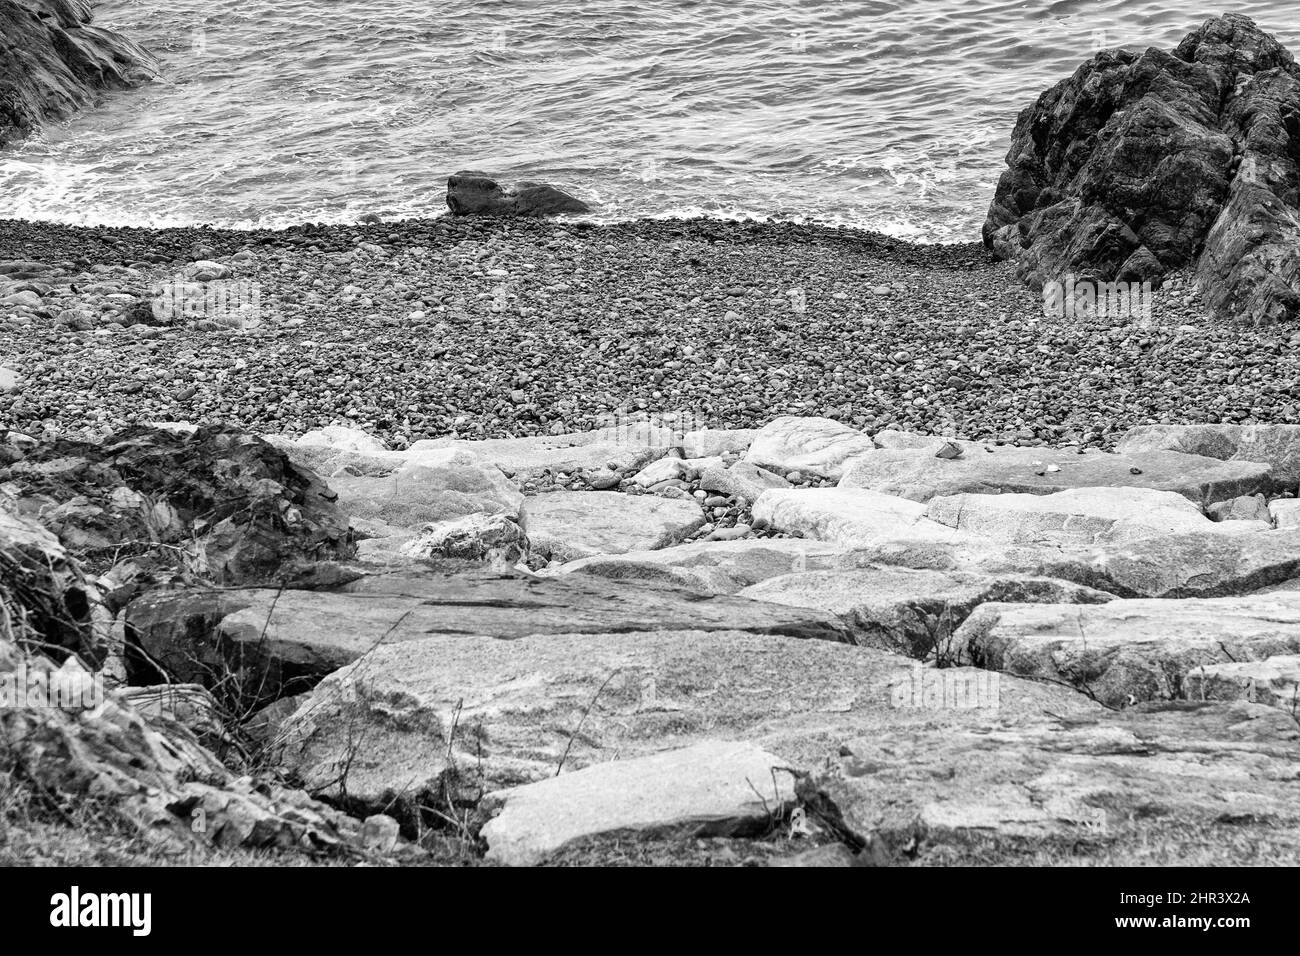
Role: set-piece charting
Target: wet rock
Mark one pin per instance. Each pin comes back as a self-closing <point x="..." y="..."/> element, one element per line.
<point x="566" y="525"/>
<point x="55" y="63"/>
<point x="1142" y="163"/>
<point x="474" y="194"/>
<point x="711" y="788"/>
<point x="1128" y="650"/>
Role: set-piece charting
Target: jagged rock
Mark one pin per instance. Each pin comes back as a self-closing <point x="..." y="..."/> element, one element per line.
<point x="218" y="503"/>
<point x="708" y="789"/>
<point x="488" y="713"/>
<point x="1128" y="650"/>
<point x="907" y="611"/>
<point x="815" y="446"/>
<point x="474" y="194"/>
<point x="1274" y="682"/>
<point x="271" y="643"/>
<point x="1056" y="780"/>
<point x="1142" y="163"/>
<point x="566" y="525"/>
<point x="849" y="517"/>
<point x="47" y="600"/>
<point x="1078" y="516"/>
<point x="1277" y="446"/>
<point x="919" y="475"/>
<point x="55" y="63"/>
<point x="492" y="538"/>
<point x="716" y="567"/>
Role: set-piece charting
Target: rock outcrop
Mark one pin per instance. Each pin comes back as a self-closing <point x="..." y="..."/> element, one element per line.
<point x="475" y="194"/>
<point x="53" y="63"/>
<point x="1143" y="163"/>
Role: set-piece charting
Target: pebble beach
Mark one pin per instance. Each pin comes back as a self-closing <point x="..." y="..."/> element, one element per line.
<point x="427" y="328"/>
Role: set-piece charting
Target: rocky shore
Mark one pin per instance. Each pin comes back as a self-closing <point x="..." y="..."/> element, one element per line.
<point x="492" y="328"/>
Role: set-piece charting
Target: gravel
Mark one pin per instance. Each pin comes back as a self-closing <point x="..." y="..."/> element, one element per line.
<point x="493" y="328"/>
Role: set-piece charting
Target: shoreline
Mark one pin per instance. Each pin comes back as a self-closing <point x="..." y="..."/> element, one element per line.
<point x="403" y="329"/>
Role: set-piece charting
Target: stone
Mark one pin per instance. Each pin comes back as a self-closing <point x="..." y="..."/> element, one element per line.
<point x="1274" y="681"/>
<point x="217" y="502"/>
<point x="919" y="474"/>
<point x="629" y="447"/>
<point x="1078" y="516"/>
<point x="1285" y="513"/>
<point x="55" y="62"/>
<point x="475" y="194"/>
<point x="344" y="438"/>
<point x="1245" y="508"/>
<point x="10" y="381"/>
<point x="205" y="270"/>
<point x="566" y="525"/>
<point x="1128" y="650"/>
<point x="1142" y="163"/>
<point x="493" y="714"/>
<point x="380" y="833"/>
<point x="1115" y="781"/>
<point x="817" y="446"/>
<point x="711" y="442"/>
<point x="712" y="788"/>
<point x="1277" y="446"/>
<point x="432" y="486"/>
<point x="911" y="612"/>
<point x="849" y="517"/>
<point x="715" y="567"/>
<point x="494" y="538"/>
<point x="281" y="642"/>
<point x="741" y="480"/>
<point x="665" y="469"/>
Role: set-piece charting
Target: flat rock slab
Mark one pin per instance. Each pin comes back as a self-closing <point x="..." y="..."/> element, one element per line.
<point x="1055" y="782"/>
<point x="743" y="480"/>
<point x="1194" y="564"/>
<point x="511" y="710"/>
<point x="717" y="567"/>
<point x="1277" y="446"/>
<point x="628" y="447"/>
<point x="814" y="446"/>
<point x="1128" y="650"/>
<point x="908" y="611"/>
<point x="1079" y="516"/>
<point x="566" y="525"/>
<point x="708" y="789"/>
<point x="848" y="517"/>
<point x="1274" y="681"/>
<point x="286" y="640"/>
<point x="920" y="476"/>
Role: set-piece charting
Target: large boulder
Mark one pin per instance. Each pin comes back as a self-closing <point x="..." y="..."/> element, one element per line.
<point x="1128" y="650"/>
<point x="53" y="63"/>
<point x="566" y="525"/>
<point x="475" y="194"/>
<point x="1277" y="446"/>
<point x="912" y="611"/>
<point x="1143" y="163"/>
<point x="921" y="475"/>
<point x="1078" y="516"/>
<point x="848" y="517"/>
<point x="217" y="502"/>
<point x="1274" y="681"/>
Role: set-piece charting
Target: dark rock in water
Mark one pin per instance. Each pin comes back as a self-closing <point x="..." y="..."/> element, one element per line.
<point x="218" y="504"/>
<point x="475" y="194"/>
<point x="53" y="63"/>
<point x="1142" y="163"/>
